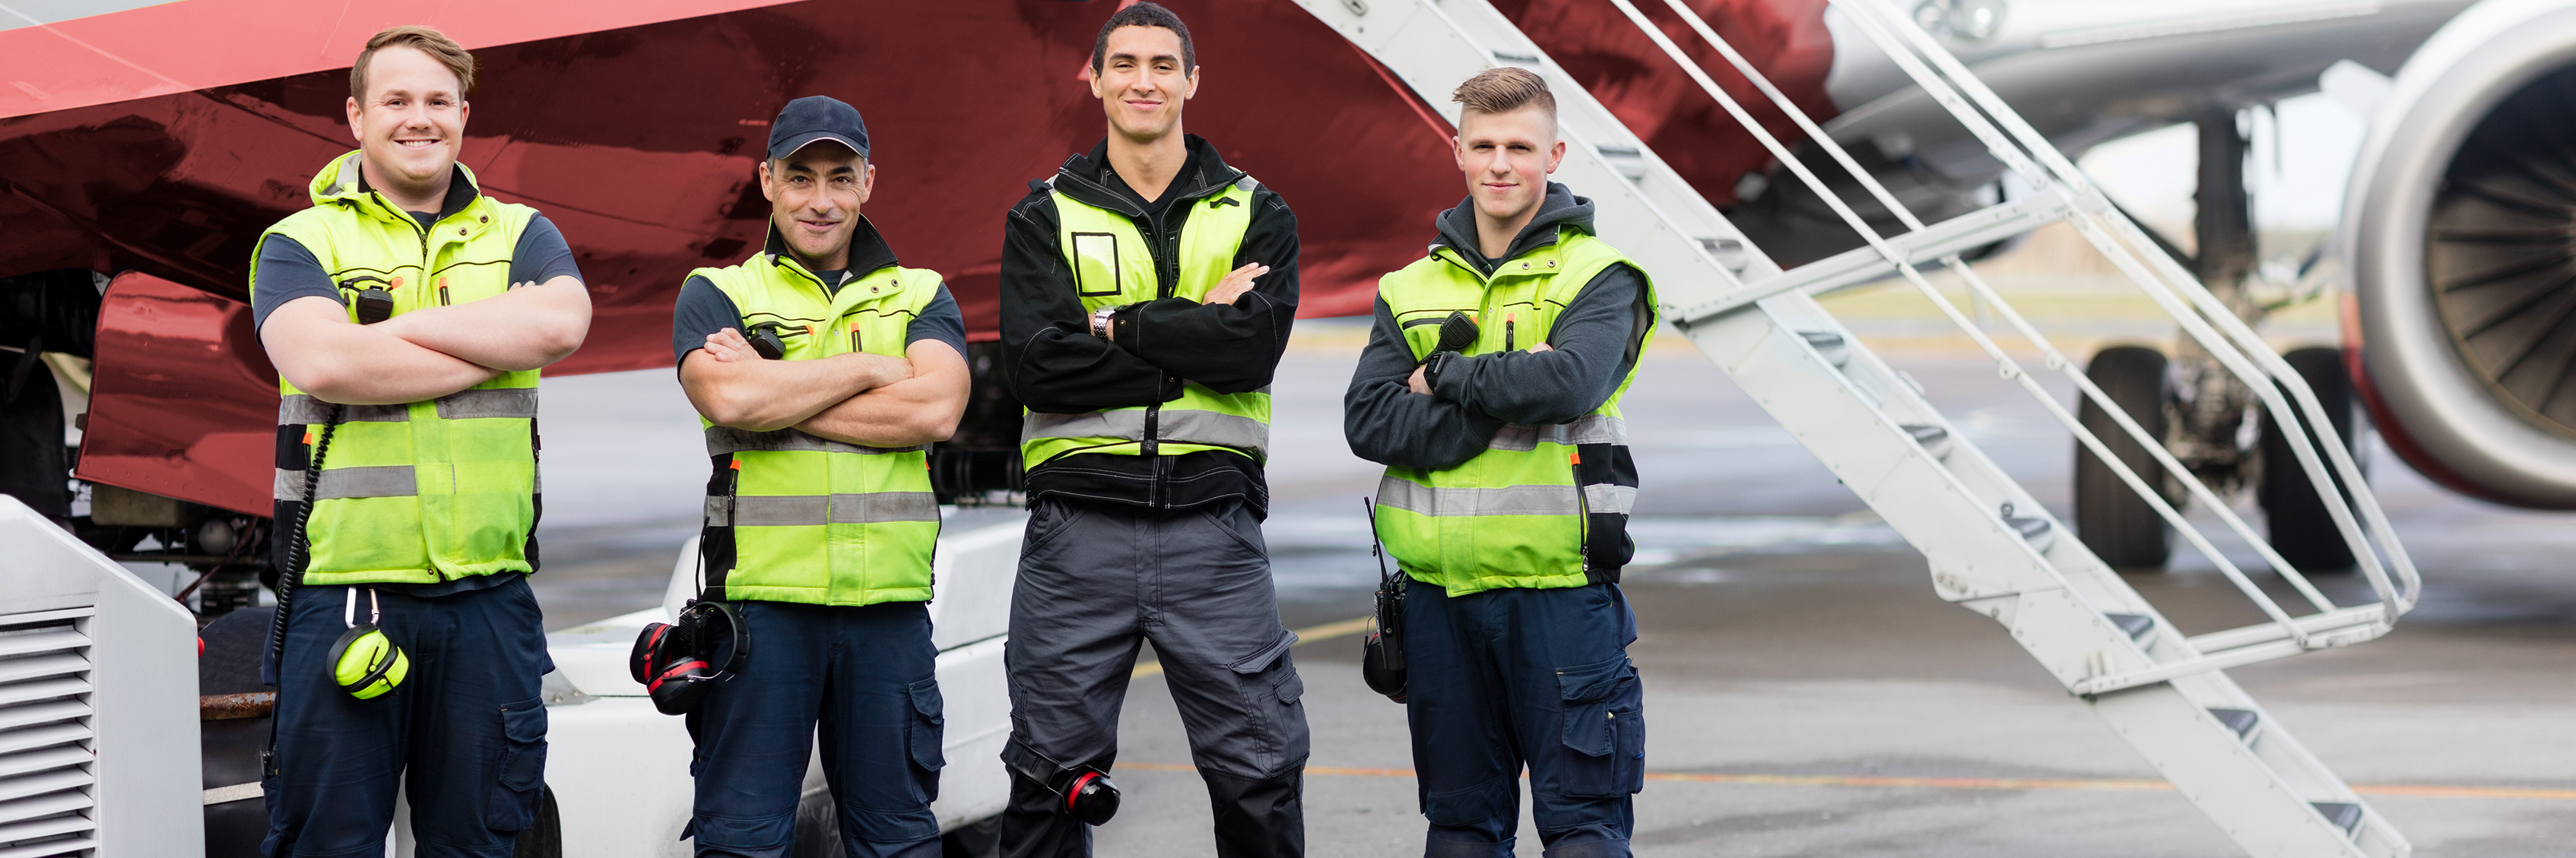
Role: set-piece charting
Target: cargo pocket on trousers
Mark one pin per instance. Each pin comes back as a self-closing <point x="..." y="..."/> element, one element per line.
<point x="926" y="731"/>
<point x="1271" y="689"/>
<point x="1604" y="730"/>
<point x="521" y="777"/>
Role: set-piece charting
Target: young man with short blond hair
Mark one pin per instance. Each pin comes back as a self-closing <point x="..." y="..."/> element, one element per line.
<point x="408" y="315"/>
<point x="1507" y="493"/>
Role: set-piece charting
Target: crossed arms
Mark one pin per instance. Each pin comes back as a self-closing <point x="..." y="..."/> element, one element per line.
<point x="426" y="353"/>
<point x="1389" y="419"/>
<point x="857" y="398"/>
<point x="1230" y="344"/>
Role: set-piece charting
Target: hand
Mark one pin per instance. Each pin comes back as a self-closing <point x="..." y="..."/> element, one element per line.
<point x="1236" y="283"/>
<point x="878" y="370"/>
<point x="728" y="346"/>
<point x="1420" y="382"/>
<point x="1542" y="347"/>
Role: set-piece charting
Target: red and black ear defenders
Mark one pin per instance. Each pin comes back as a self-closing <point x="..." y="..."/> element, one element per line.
<point x="678" y="663"/>
<point x="1088" y="795"/>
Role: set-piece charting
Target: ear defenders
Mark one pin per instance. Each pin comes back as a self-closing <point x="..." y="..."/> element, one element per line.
<point x="364" y="662"/>
<point x="678" y="663"/>
<point x="1087" y="792"/>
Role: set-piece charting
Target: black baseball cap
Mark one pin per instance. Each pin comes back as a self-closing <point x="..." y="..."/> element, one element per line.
<point x="817" y="117"/>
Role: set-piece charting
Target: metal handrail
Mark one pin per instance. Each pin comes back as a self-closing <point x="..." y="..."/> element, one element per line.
<point x="1874" y="18"/>
<point x="2085" y="206"/>
<point x="2054" y="358"/>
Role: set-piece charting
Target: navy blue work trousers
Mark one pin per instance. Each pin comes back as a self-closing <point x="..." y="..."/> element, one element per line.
<point x="868" y="676"/>
<point x="464" y="736"/>
<point x="1511" y="677"/>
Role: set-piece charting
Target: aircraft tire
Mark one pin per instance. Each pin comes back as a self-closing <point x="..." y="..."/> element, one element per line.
<point x="544" y="838"/>
<point x="2120" y="527"/>
<point x="2295" y="518"/>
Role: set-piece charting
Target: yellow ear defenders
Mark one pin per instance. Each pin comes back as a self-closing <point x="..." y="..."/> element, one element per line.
<point x="364" y="662"/>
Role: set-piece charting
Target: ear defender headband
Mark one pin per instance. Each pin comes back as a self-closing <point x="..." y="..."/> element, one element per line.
<point x="364" y="662"/>
<point x="678" y="663"/>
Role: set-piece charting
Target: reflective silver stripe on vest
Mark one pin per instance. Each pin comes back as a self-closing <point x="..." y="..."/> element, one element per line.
<point x="1604" y="497"/>
<point x="1588" y="429"/>
<point x="1178" y="426"/>
<point x="1420" y="499"/>
<point x="808" y="510"/>
<point x="725" y="439"/>
<point x="508" y="402"/>
<point x="378" y="481"/>
<point x="517" y="402"/>
<point x="304" y="408"/>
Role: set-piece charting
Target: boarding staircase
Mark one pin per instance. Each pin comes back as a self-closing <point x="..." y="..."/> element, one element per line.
<point x="1992" y="547"/>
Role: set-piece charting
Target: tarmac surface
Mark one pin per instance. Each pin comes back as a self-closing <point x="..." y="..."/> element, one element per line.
<point x="1807" y="694"/>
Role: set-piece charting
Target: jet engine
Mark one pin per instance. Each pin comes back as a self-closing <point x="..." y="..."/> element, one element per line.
<point x="2459" y="236"/>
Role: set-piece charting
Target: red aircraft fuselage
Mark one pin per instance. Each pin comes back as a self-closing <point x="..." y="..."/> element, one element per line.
<point x="157" y="142"/>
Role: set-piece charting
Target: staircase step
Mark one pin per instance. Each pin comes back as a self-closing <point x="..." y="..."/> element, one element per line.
<point x="1829" y="344"/>
<point x="2240" y="721"/>
<point x="2344" y="815"/>
<point x="1933" y="439"/>
<point x="2033" y="529"/>
<point x="2137" y="626"/>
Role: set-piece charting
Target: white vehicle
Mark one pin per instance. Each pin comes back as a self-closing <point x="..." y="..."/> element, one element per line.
<point x="618" y="770"/>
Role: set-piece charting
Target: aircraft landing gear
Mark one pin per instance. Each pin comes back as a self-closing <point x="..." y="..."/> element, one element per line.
<point x="2121" y="527"/>
<point x="2294" y="515"/>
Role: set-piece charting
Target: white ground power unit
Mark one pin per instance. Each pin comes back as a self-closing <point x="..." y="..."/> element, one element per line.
<point x="98" y="703"/>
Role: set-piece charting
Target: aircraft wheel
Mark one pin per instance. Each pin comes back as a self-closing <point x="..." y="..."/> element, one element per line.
<point x="979" y="840"/>
<point x="2118" y="525"/>
<point x="818" y="827"/>
<point x="2294" y="514"/>
<point x="544" y="839"/>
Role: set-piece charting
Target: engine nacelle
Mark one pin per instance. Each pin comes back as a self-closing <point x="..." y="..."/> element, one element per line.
<point x="2459" y="236"/>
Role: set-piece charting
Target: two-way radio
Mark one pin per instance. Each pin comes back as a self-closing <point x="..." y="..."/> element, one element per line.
<point x="1382" y="654"/>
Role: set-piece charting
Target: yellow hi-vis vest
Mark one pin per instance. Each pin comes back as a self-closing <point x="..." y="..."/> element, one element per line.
<point x="1523" y="513"/>
<point x="1113" y="266"/>
<point x="792" y="517"/>
<point x="429" y="491"/>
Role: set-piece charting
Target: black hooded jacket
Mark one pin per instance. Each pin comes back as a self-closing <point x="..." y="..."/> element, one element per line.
<point x="1596" y="340"/>
<point x="1058" y="367"/>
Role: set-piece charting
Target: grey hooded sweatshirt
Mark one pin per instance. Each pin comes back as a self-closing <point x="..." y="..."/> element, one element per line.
<point x="1596" y="341"/>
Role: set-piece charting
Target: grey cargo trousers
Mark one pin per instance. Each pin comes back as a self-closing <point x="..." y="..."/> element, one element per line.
<point x="1095" y="580"/>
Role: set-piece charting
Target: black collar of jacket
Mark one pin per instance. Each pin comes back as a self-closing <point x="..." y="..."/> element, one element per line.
<point x="868" y="252"/>
<point x="460" y="191"/>
<point x="1085" y="178"/>
<point x="1561" y="208"/>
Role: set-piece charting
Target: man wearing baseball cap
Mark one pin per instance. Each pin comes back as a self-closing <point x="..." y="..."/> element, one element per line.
<point x="821" y="371"/>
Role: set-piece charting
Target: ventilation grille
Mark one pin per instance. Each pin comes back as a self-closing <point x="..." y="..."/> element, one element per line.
<point x="48" y="751"/>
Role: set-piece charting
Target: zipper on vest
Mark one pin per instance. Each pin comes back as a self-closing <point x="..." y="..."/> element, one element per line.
<point x="442" y="292"/>
<point x="1582" y="516"/>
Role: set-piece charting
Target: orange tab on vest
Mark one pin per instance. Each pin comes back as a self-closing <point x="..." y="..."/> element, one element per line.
<point x="1577" y="457"/>
<point x="308" y="437"/>
<point x="397" y="283"/>
<point x="737" y="464"/>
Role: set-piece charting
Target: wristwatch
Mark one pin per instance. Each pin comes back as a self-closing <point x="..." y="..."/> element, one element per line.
<point x="1100" y="320"/>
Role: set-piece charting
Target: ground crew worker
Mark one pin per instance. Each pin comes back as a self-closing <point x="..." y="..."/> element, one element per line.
<point x="1507" y="493"/>
<point x="407" y="315"/>
<point x="820" y="517"/>
<point x="1147" y="293"/>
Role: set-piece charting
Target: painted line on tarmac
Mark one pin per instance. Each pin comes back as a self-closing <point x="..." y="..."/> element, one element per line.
<point x="2012" y="784"/>
<point x="1307" y="635"/>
